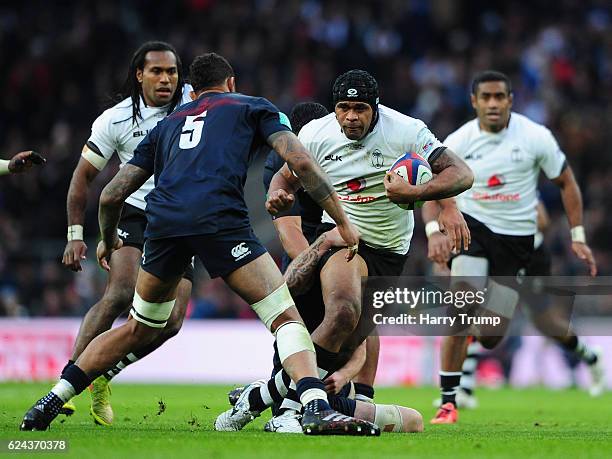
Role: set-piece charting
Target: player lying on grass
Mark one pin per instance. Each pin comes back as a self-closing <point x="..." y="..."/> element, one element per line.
<point x="200" y="156"/>
<point x="339" y="385"/>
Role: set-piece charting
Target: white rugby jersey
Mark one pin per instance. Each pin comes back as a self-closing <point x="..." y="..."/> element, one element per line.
<point x="114" y="132"/>
<point x="506" y="167"/>
<point x="357" y="169"/>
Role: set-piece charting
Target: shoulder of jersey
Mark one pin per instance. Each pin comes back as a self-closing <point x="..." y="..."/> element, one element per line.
<point x="526" y="123"/>
<point x="386" y="113"/>
<point x="313" y="127"/>
<point x="118" y="112"/>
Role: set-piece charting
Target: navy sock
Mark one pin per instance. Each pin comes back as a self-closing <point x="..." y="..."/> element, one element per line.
<point x="326" y="360"/>
<point x="342" y="404"/>
<point x="307" y="383"/>
<point x="364" y="389"/>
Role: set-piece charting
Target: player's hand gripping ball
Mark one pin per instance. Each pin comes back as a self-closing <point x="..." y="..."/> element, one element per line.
<point x="415" y="170"/>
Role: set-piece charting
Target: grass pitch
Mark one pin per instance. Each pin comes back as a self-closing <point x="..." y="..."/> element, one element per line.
<point x="163" y="421"/>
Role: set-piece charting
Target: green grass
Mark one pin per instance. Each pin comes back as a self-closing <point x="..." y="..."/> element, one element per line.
<point x="510" y="423"/>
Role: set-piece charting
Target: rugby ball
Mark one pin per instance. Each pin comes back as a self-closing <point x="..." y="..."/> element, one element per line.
<point x="415" y="170"/>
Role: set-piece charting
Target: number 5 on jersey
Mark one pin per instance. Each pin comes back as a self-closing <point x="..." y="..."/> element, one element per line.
<point x="192" y="131"/>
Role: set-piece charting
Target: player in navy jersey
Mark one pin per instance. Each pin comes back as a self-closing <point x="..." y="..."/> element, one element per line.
<point x="200" y="156"/>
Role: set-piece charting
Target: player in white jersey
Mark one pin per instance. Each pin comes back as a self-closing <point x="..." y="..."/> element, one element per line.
<point x="506" y="151"/>
<point x="154" y="87"/>
<point x="355" y="146"/>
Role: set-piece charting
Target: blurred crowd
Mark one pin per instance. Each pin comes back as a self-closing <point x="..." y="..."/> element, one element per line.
<point x="64" y="64"/>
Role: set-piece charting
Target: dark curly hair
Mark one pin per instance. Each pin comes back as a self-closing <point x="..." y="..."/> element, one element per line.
<point x="208" y="70"/>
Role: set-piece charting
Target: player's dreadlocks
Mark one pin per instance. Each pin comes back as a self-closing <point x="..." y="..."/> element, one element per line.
<point x="133" y="89"/>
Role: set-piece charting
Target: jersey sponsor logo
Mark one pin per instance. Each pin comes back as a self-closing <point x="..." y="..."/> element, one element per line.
<point x="122" y="233"/>
<point x="356" y="184"/>
<point x="359" y="199"/>
<point x="377" y="159"/>
<point x="333" y="158"/>
<point x="140" y="133"/>
<point x="496" y="181"/>
<point x="484" y="196"/>
<point x="352" y="92"/>
<point x="473" y="156"/>
<point x="240" y="251"/>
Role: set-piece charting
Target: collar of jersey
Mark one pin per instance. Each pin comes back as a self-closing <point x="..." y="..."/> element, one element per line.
<point x="143" y="105"/>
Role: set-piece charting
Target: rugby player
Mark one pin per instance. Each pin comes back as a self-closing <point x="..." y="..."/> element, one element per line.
<point x="506" y="151"/>
<point x="153" y="89"/>
<point x="21" y="162"/>
<point x="356" y="157"/>
<point x="296" y="229"/>
<point x="200" y="156"/>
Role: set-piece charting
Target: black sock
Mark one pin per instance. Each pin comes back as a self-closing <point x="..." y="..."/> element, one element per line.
<point x="342" y="404"/>
<point x="449" y="383"/>
<point x="326" y="360"/>
<point x="77" y="378"/>
<point x="318" y="404"/>
<point x="274" y="391"/>
<point x="365" y="390"/>
<point x="70" y="362"/>
<point x="581" y="350"/>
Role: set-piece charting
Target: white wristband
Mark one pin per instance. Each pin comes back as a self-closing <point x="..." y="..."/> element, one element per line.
<point x="432" y="227"/>
<point x="75" y="233"/>
<point x="4" y="166"/>
<point x="578" y="234"/>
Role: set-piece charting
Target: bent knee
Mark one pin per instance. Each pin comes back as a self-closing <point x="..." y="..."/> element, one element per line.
<point x="142" y="333"/>
<point x="344" y="315"/>
<point x="119" y="299"/>
<point x="489" y="342"/>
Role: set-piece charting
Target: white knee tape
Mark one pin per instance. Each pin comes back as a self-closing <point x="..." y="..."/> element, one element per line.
<point x="152" y="314"/>
<point x="389" y="418"/>
<point x="273" y="305"/>
<point x="467" y="265"/>
<point x="291" y="338"/>
<point x="502" y="300"/>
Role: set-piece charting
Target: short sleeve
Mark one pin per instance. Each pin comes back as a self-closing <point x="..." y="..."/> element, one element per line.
<point x="269" y="119"/>
<point x="144" y="155"/>
<point x="103" y="136"/>
<point x="424" y="143"/>
<point x="550" y="157"/>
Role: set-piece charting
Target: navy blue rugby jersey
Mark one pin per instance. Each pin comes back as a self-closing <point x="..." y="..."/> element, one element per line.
<point x="200" y="155"/>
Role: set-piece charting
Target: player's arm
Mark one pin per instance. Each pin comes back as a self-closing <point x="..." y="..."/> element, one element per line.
<point x="289" y="231"/>
<point x="572" y="203"/>
<point x="315" y="182"/>
<point x="543" y="217"/>
<point x="300" y="272"/>
<point x="21" y="162"/>
<point x="451" y="177"/>
<point x="289" y="227"/>
<point x="439" y="245"/>
<point x="338" y="379"/>
<point x="76" y="203"/>
<point x="129" y="178"/>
